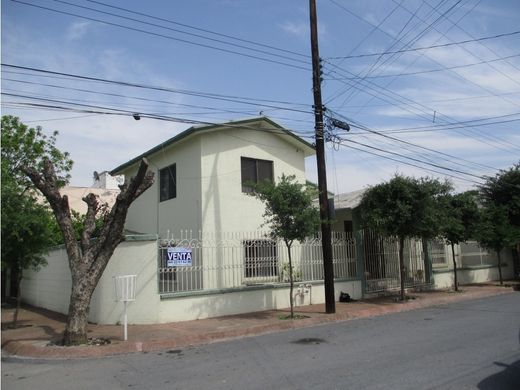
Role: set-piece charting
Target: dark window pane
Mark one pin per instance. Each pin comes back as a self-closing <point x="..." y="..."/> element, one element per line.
<point x="265" y="170"/>
<point x="168" y="183"/>
<point x="248" y="167"/>
<point x="254" y="171"/>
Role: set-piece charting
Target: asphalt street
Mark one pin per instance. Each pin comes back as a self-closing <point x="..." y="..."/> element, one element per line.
<point x="467" y="345"/>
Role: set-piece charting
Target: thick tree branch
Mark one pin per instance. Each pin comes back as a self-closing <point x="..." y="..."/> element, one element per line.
<point x="112" y="231"/>
<point x="90" y="220"/>
<point x="47" y="184"/>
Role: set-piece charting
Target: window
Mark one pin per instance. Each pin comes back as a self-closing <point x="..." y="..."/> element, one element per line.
<point x="255" y="171"/>
<point x="168" y="183"/>
<point x="261" y="260"/>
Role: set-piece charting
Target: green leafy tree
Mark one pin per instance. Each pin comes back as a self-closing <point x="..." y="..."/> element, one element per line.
<point x="496" y="233"/>
<point x="500" y="227"/>
<point x="405" y="207"/>
<point x="35" y="161"/>
<point x="290" y="213"/>
<point x="461" y="217"/>
<point x="26" y="233"/>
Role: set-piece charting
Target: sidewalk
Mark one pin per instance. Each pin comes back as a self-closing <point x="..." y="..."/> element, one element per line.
<point x="40" y="329"/>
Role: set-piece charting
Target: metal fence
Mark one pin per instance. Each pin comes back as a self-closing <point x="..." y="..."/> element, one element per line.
<point x="381" y="255"/>
<point x="212" y="261"/>
<point x="472" y="255"/>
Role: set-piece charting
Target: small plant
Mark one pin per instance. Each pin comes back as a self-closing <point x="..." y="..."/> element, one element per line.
<point x="296" y="274"/>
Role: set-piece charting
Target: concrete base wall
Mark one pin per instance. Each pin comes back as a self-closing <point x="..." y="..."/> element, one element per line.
<point x="247" y="300"/>
<point x="443" y="278"/>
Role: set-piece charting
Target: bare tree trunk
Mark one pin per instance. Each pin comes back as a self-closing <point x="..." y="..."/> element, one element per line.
<point x="500" y="268"/>
<point x="77" y="318"/>
<point x="291" y="281"/>
<point x="455" y="282"/>
<point x="401" y="265"/>
<point x="88" y="258"/>
<point x="19" y="276"/>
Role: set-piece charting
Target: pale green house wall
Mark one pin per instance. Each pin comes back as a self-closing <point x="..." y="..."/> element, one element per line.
<point x="209" y="187"/>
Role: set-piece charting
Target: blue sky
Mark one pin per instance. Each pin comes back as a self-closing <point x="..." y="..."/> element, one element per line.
<point x="381" y="75"/>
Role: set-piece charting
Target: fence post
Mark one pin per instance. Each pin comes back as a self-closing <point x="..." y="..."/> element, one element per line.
<point x="428" y="268"/>
<point x="360" y="259"/>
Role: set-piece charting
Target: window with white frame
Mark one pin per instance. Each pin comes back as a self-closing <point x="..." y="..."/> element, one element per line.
<point x="260" y="259"/>
<point x="255" y="171"/>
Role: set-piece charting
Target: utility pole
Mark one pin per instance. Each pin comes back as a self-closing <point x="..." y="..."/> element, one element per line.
<point x="328" y="270"/>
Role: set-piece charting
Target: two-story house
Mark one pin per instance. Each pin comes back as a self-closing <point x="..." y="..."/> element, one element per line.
<point x="203" y="176"/>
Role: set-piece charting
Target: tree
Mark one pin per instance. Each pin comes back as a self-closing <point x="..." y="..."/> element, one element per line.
<point x="404" y="207"/>
<point x="25" y="232"/>
<point x="500" y="226"/>
<point x="503" y="189"/>
<point x="291" y="215"/>
<point x="36" y="160"/>
<point x="461" y="216"/>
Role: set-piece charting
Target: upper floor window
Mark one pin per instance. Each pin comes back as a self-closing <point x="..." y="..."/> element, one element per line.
<point x="255" y="171"/>
<point x="168" y="183"/>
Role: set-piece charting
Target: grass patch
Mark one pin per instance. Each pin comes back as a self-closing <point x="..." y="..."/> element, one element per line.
<point x="296" y="317"/>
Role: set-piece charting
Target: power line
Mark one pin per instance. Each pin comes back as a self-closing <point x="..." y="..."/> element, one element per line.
<point x="365" y="128"/>
<point x="202" y="29"/>
<point x="410" y="164"/>
<point x="235" y="99"/>
<point x="427" y="71"/>
<point x="425" y="47"/>
<point x="412" y="158"/>
<point x="169" y="36"/>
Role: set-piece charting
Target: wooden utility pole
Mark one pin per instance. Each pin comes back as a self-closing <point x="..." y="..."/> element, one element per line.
<point x="328" y="270"/>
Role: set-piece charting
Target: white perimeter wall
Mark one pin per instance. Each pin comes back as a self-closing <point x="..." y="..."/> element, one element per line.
<point x="50" y="288"/>
<point x="443" y="276"/>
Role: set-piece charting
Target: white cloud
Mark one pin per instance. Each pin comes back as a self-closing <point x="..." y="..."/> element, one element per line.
<point x="299" y="29"/>
<point x="77" y="30"/>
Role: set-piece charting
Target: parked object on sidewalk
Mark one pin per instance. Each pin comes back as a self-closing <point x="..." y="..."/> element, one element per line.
<point x="345" y="297"/>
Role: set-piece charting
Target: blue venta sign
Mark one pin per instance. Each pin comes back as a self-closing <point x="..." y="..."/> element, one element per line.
<point x="179" y="257"/>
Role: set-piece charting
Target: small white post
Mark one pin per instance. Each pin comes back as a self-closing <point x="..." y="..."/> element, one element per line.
<point x="125" y="292"/>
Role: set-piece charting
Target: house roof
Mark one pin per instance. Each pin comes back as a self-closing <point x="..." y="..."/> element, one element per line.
<point x="195" y="130"/>
<point x="348" y="200"/>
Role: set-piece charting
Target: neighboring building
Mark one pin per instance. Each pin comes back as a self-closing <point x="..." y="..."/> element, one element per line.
<point x="426" y="262"/>
<point x="203" y="177"/>
<point x="106" y="181"/>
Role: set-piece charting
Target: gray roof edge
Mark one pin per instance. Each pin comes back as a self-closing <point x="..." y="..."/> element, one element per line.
<point x="193" y="129"/>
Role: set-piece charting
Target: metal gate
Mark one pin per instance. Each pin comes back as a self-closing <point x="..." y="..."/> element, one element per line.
<point x="381" y="257"/>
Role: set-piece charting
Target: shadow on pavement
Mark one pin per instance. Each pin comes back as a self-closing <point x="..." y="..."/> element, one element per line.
<point x="509" y="378"/>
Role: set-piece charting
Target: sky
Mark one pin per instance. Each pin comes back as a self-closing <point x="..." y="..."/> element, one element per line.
<point x="428" y="87"/>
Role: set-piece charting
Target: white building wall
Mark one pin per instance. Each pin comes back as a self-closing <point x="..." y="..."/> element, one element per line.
<point x="443" y="275"/>
<point x="148" y="215"/>
<point x="224" y="206"/>
<point x="50" y="286"/>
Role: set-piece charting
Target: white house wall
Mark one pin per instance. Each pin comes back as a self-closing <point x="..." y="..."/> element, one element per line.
<point x="148" y="215"/>
<point x="225" y="208"/>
